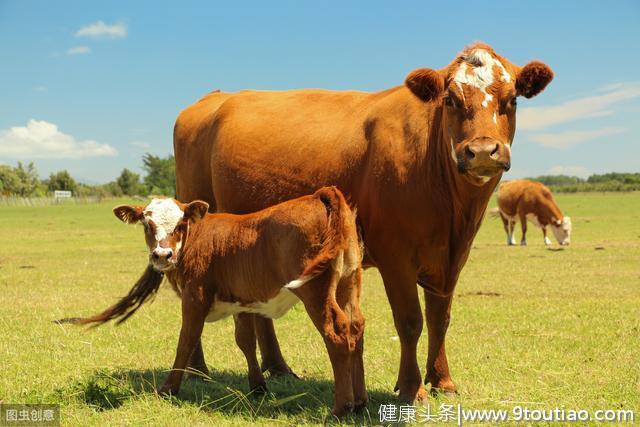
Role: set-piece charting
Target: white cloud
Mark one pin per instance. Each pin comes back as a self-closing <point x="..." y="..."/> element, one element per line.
<point x="564" y="140"/>
<point x="101" y="30"/>
<point x="539" y="118"/>
<point x="40" y="139"/>
<point x="78" y="50"/>
<point x="580" y="171"/>
<point x="141" y="144"/>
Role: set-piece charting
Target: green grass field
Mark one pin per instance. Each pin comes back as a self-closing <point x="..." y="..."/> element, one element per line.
<point x="531" y="326"/>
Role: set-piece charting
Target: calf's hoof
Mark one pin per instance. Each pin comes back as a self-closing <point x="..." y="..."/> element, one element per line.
<point x="195" y="374"/>
<point x="340" y="410"/>
<point x="259" y="389"/>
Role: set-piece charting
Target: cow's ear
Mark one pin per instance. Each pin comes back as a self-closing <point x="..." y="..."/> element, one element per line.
<point x="129" y="214"/>
<point x="425" y="83"/>
<point x="533" y="78"/>
<point x="196" y="210"/>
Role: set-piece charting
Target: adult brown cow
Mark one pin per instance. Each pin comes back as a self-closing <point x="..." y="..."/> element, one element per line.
<point x="419" y="161"/>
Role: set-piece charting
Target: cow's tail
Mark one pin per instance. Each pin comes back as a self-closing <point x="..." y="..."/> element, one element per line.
<point x="338" y="245"/>
<point x="146" y="287"/>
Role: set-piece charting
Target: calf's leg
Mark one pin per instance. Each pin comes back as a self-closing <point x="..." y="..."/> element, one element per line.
<point x="197" y="363"/>
<point x="246" y="340"/>
<point x="333" y="324"/>
<point x="193" y="316"/>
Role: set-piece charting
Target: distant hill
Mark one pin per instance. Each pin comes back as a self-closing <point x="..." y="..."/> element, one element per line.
<point x="614" y="181"/>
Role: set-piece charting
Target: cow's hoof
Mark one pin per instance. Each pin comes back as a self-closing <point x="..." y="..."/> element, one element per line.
<point x="343" y="409"/>
<point x="360" y="404"/>
<point x="420" y="396"/>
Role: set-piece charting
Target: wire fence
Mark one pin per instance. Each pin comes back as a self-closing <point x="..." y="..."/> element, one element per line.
<point x="48" y="201"/>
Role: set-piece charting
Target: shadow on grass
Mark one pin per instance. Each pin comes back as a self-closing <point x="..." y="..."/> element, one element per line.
<point x="224" y="392"/>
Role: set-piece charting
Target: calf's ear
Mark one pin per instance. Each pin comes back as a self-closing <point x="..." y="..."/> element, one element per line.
<point x="533" y="78"/>
<point x="195" y="210"/>
<point x="129" y="214"/>
<point x="425" y="83"/>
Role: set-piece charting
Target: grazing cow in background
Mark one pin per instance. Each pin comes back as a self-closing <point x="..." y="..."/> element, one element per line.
<point x="420" y="162"/>
<point x="528" y="200"/>
<point x="262" y="263"/>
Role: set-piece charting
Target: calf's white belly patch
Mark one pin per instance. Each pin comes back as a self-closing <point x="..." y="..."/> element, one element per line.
<point x="273" y="308"/>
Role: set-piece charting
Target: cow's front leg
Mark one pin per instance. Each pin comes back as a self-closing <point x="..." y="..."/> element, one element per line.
<point x="547" y="241"/>
<point x="272" y="359"/>
<point x="193" y="315"/>
<point x="438" y="313"/>
<point x="402" y="292"/>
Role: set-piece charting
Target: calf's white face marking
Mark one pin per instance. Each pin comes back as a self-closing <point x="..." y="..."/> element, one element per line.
<point x="165" y="215"/>
<point x="481" y="75"/>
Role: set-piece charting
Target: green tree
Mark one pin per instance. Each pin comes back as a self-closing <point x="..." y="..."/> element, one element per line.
<point x="61" y="181"/>
<point x="9" y="180"/>
<point x="129" y="183"/>
<point x="161" y="174"/>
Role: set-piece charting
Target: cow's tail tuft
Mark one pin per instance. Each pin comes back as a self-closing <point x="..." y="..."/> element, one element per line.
<point x="341" y="219"/>
<point x="146" y="287"/>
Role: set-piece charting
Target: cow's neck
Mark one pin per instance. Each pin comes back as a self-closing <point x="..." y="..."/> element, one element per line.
<point x="463" y="202"/>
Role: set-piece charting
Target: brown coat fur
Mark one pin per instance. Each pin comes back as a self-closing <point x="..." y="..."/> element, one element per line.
<point x="234" y="264"/>
<point x="528" y="200"/>
<point x="391" y="153"/>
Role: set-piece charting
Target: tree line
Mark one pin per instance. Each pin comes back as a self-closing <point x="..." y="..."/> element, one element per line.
<point x="159" y="179"/>
<point x="614" y="181"/>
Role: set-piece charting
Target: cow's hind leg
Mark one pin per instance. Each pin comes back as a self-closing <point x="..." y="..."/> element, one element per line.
<point x="437" y="310"/>
<point x="505" y="223"/>
<point x="523" y="224"/>
<point x="272" y="359"/>
<point x="246" y="340"/>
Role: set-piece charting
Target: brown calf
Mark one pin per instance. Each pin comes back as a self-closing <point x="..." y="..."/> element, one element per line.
<point x="528" y="200"/>
<point x="262" y="263"/>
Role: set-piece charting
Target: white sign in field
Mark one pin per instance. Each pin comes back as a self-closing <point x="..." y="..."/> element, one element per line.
<point x="60" y="194"/>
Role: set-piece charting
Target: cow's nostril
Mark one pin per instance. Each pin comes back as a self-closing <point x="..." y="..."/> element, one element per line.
<point x="495" y="150"/>
<point x="470" y="154"/>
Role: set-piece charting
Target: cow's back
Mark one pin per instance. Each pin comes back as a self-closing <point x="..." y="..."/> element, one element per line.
<point x="522" y="197"/>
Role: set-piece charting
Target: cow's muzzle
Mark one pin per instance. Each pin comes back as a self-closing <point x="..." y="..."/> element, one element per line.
<point x="484" y="157"/>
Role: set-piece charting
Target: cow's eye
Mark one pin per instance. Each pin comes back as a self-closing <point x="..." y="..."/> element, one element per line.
<point x="449" y="102"/>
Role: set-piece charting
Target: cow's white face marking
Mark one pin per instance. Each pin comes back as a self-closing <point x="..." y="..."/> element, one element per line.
<point x="562" y="231"/>
<point x="481" y="76"/>
<point x="165" y="215"/>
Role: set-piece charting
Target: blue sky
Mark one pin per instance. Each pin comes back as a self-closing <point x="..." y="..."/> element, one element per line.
<point x="91" y="86"/>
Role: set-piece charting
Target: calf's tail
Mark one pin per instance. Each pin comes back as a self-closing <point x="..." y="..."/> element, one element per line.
<point x="146" y="287"/>
<point x="341" y="220"/>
